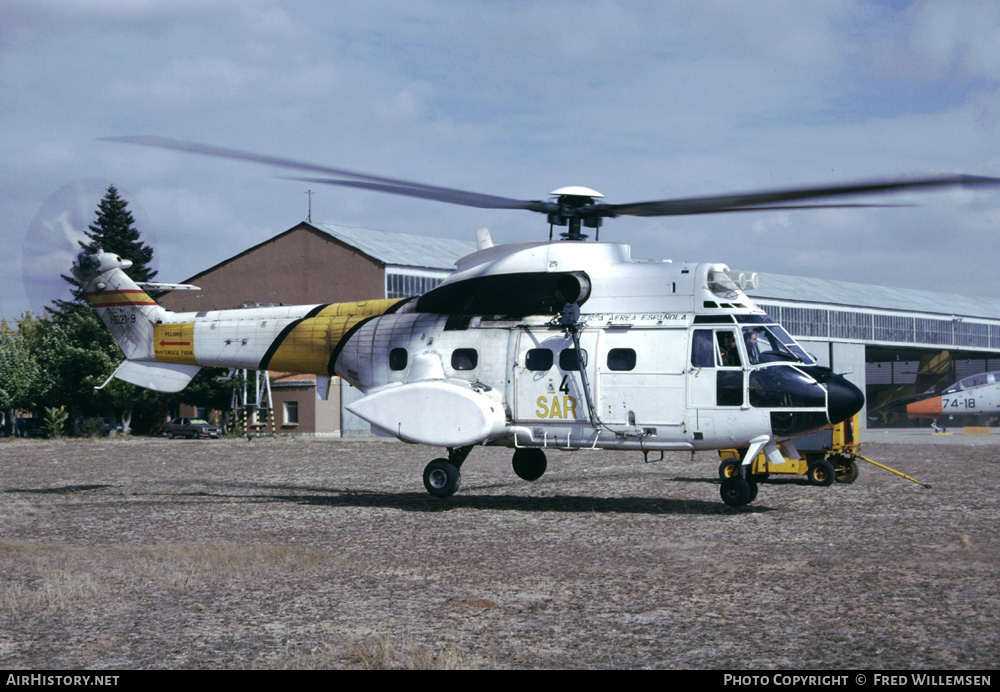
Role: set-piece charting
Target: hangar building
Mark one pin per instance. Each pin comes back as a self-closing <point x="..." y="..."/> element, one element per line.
<point x="891" y="342"/>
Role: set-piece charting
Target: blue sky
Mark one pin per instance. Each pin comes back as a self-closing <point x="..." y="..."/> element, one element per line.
<point x="639" y="100"/>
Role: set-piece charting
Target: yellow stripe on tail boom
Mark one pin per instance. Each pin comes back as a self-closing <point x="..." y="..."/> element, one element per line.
<point x="311" y="344"/>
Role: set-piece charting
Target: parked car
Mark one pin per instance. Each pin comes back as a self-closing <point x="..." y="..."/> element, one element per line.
<point x="32" y="427"/>
<point x="190" y="427"/>
<point x="110" y="424"/>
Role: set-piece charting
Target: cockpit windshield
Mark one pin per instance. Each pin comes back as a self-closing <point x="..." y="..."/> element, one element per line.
<point x="770" y="343"/>
<point x="973" y="381"/>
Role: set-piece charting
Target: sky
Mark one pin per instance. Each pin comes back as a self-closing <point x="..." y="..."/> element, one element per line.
<point x="638" y="100"/>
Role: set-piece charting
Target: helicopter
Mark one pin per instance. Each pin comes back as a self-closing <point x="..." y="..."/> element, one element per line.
<point x="555" y="344"/>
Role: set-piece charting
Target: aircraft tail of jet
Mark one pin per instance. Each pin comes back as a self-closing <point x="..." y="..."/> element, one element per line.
<point x="130" y="314"/>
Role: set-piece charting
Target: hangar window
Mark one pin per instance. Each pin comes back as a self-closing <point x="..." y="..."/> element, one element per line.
<point x="538" y="359"/>
<point x="464" y="359"/>
<point x="398" y="359"/>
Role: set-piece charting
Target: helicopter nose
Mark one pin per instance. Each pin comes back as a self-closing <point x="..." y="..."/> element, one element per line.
<point x="843" y="399"/>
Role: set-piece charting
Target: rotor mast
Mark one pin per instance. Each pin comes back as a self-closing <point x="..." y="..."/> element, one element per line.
<point x="576" y="209"/>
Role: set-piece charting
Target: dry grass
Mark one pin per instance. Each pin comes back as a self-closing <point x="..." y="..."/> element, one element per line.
<point x="377" y="652"/>
<point x="58" y="577"/>
<point x="382" y="652"/>
<point x="283" y="554"/>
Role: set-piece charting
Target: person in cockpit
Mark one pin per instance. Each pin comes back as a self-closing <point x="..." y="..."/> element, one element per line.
<point x="753" y="351"/>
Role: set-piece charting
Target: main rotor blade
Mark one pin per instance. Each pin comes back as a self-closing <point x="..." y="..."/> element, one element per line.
<point x="360" y="180"/>
<point x="749" y="201"/>
<point x="440" y="194"/>
<point x="773" y="199"/>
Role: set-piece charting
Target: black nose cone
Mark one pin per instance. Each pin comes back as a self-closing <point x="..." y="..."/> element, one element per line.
<point x="843" y="399"/>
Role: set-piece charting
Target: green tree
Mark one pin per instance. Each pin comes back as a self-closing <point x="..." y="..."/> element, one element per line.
<point x="75" y="351"/>
<point x="18" y="373"/>
<point x="75" y="354"/>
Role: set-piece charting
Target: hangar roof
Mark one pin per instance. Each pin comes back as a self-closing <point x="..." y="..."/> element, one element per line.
<point x="847" y="294"/>
<point x="402" y="249"/>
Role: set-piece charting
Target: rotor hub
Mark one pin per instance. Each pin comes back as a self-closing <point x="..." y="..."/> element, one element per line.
<point x="576" y="207"/>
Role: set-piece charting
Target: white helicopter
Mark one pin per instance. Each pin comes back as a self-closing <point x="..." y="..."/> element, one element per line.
<point x="547" y="345"/>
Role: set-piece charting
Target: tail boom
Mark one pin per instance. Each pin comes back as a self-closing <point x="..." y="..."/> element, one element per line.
<point x="165" y="349"/>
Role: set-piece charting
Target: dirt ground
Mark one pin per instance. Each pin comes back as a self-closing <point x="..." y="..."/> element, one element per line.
<point x="309" y="553"/>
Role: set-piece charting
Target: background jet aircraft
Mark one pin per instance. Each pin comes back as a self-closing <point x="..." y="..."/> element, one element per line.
<point x="976" y="394"/>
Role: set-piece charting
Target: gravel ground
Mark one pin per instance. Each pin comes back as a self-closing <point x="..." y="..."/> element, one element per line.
<point x="308" y="553"/>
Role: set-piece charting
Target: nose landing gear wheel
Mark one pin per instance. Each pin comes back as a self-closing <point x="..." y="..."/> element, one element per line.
<point x="441" y="478"/>
<point x="737" y="491"/>
<point x="729" y="468"/>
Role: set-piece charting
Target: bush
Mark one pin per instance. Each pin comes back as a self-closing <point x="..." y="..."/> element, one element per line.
<point x="55" y="421"/>
<point x="92" y="427"/>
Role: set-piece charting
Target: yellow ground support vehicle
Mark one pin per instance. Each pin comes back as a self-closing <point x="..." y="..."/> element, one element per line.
<point x="827" y="455"/>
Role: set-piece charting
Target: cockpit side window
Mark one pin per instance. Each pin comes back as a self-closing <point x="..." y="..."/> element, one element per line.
<point x="702" y="349"/>
<point x="729" y="352"/>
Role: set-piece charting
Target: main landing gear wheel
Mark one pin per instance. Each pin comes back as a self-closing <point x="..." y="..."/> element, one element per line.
<point x="529" y="464"/>
<point x="441" y="478"/>
<point x="821" y="473"/>
<point x="738" y="491"/>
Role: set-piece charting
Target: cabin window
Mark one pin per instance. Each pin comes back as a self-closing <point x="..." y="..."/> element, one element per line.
<point x="538" y="359"/>
<point x="397" y="359"/>
<point x="571" y="359"/>
<point x="621" y="359"/>
<point x="464" y="359"/>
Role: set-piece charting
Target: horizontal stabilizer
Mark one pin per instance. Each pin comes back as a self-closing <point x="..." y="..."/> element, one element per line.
<point x="414" y="412"/>
<point x="161" y="377"/>
<point x="156" y="286"/>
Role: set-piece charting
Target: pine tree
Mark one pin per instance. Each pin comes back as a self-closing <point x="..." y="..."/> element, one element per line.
<point x="115" y="231"/>
<point x="77" y="352"/>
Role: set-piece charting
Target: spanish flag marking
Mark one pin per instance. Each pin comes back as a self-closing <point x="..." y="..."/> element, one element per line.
<point x="174" y="343"/>
<point x="119" y="299"/>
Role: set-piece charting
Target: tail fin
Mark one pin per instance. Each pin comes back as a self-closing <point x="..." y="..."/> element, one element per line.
<point x="130" y="314"/>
